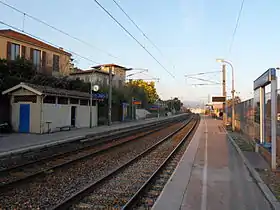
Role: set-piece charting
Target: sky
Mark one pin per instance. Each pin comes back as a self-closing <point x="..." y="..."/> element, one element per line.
<point x="190" y="34"/>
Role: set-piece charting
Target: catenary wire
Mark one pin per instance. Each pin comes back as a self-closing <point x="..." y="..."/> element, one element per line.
<point x="36" y="37"/>
<point x="141" y="31"/>
<point x="110" y="15"/>
<point x="57" y="29"/>
<point x="236" y="26"/>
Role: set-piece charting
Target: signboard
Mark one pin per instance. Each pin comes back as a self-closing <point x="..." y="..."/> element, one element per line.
<point x="154" y="107"/>
<point x="137" y="102"/>
<point x="99" y="96"/>
<point x="265" y="78"/>
<point x="218" y="99"/>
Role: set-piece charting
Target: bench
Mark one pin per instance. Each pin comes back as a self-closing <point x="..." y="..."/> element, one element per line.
<point x="66" y="127"/>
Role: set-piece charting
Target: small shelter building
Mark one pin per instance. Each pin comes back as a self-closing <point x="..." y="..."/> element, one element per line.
<point x="43" y="109"/>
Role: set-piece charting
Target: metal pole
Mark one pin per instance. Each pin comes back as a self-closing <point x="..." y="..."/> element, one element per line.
<point x="233" y="99"/>
<point x="90" y="108"/>
<point x="224" y="94"/>
<point x="273" y="122"/>
<point x="110" y="98"/>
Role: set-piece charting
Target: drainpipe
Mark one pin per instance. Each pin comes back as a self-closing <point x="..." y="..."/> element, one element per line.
<point x="41" y="113"/>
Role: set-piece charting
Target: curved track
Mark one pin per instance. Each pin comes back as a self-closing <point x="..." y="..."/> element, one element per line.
<point x="121" y="187"/>
<point x="43" y="192"/>
<point x="22" y="173"/>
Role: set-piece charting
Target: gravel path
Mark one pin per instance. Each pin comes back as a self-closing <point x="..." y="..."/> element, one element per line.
<point x="115" y="192"/>
<point x="57" y="185"/>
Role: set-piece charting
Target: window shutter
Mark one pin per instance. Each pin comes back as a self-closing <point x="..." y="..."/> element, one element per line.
<point x="23" y="52"/>
<point x="9" y="50"/>
<point x="44" y="56"/>
<point x="58" y="67"/>
<point x="31" y="54"/>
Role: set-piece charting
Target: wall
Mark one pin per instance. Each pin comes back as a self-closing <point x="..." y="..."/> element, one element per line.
<point x="96" y="78"/>
<point x="82" y="116"/>
<point x="58" y="114"/>
<point x="119" y="75"/>
<point x="34" y="111"/>
<point x="64" y="60"/>
<point x="34" y="117"/>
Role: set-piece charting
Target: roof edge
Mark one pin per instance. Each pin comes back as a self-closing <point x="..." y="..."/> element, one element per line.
<point x="22" y="85"/>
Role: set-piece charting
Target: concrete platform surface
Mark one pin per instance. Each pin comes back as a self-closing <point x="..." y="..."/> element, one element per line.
<point x="16" y="142"/>
<point x="211" y="176"/>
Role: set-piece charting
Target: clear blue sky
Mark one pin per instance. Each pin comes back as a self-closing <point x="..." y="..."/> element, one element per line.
<point x="190" y="33"/>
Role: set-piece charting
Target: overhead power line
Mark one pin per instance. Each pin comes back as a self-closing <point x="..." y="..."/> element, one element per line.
<point x="141" y="31"/>
<point x="205" y="80"/>
<point x="108" y="13"/>
<point x="236" y="26"/>
<point x="57" y="29"/>
<point x="202" y="73"/>
<point x="36" y="37"/>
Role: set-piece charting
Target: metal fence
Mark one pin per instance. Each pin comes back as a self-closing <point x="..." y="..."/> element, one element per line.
<point x="247" y="117"/>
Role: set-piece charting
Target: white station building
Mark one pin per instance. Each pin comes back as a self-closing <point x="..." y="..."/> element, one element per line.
<point x="43" y="109"/>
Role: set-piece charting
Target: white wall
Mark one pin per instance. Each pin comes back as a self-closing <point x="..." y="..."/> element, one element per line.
<point x="34" y="111"/>
<point x="82" y="116"/>
<point x="59" y="115"/>
<point x="34" y="116"/>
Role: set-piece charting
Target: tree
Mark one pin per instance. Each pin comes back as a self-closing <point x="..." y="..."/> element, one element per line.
<point x="148" y="87"/>
<point x="174" y="104"/>
<point x="236" y="99"/>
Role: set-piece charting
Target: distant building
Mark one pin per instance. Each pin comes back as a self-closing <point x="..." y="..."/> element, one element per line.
<point x="46" y="58"/>
<point x="94" y="76"/>
<point x="118" y="71"/>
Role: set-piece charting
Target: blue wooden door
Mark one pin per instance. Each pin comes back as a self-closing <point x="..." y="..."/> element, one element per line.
<point x="24" y="118"/>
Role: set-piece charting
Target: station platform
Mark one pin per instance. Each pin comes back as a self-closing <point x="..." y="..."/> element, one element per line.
<point x="18" y="142"/>
<point x="211" y="175"/>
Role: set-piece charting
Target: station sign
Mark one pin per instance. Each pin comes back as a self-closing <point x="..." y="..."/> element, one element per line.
<point x="99" y="96"/>
<point x="154" y="107"/>
<point x="265" y="78"/>
<point x="135" y="102"/>
<point x="218" y="99"/>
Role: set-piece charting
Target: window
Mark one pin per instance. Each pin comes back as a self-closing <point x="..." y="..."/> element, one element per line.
<point x="120" y="83"/>
<point x="86" y="78"/>
<point x="36" y="58"/>
<point x="15" y="53"/>
<point x="25" y="98"/>
<point x="56" y="63"/>
<point x="74" y="101"/>
<point x="62" y="100"/>
<point x="49" y="100"/>
<point x="105" y="81"/>
<point x="84" y="102"/>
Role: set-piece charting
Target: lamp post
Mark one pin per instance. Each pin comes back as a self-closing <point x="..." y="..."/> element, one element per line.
<point x="94" y="88"/>
<point x="158" y="105"/>
<point x="232" y="91"/>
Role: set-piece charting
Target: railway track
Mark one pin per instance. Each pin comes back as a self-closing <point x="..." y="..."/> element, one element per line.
<point x="123" y="186"/>
<point x="43" y="192"/>
<point x="29" y="157"/>
<point x="22" y="173"/>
